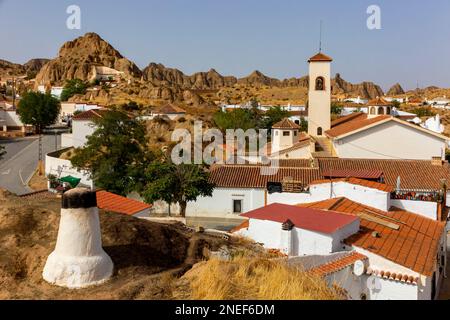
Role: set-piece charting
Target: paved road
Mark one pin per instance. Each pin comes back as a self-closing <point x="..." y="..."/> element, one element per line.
<point x="21" y="160"/>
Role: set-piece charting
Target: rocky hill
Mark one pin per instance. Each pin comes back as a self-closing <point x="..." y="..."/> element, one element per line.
<point x="11" y="69"/>
<point x="395" y="90"/>
<point x="159" y="84"/>
<point x="367" y="90"/>
<point x="76" y="59"/>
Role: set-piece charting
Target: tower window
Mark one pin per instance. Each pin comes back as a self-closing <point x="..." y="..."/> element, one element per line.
<point x="320" y="84"/>
<point x="380" y="110"/>
<point x="319" y="131"/>
<point x="372" y="111"/>
<point x="388" y="111"/>
<point x="286" y="133"/>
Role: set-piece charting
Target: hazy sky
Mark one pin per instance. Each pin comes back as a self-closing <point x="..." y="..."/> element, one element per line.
<point x="238" y="36"/>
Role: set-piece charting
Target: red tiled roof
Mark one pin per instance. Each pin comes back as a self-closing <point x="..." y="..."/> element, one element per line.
<point x="337" y="265"/>
<point x="305" y="218"/>
<point x="340" y="127"/>
<point x="360" y="182"/>
<point x="414" y="174"/>
<point x="379" y="102"/>
<point x="171" y="109"/>
<point x="112" y="202"/>
<point x="320" y="57"/>
<point x="286" y="124"/>
<point x="400" y="277"/>
<point x="361" y="174"/>
<point x="414" y="245"/>
<point x="90" y="115"/>
<point x="258" y="176"/>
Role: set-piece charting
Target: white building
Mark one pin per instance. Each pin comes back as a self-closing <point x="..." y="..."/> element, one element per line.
<point x="82" y="127"/>
<point x="381" y="255"/>
<point x="434" y="124"/>
<point x="169" y="111"/>
<point x="357" y="100"/>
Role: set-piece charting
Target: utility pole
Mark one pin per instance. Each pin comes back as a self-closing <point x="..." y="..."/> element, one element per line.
<point x="14" y="92"/>
<point x="40" y="163"/>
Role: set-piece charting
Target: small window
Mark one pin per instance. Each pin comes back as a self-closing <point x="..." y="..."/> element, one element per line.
<point x="286" y="133"/>
<point x="319" y="131"/>
<point x="380" y="110"/>
<point x="295" y="133"/>
<point x="237" y="206"/>
<point x="372" y="111"/>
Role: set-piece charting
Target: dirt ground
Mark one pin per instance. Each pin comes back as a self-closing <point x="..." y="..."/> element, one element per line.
<point x="37" y="182"/>
<point x="148" y="257"/>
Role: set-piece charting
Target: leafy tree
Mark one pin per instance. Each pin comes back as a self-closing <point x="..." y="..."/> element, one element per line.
<point x="73" y="87"/>
<point x="176" y="184"/>
<point x="236" y="119"/>
<point x="396" y="104"/>
<point x="116" y="154"/>
<point x="272" y="116"/>
<point x="423" y="112"/>
<point x="38" y="109"/>
<point x="336" y="108"/>
<point x="303" y="125"/>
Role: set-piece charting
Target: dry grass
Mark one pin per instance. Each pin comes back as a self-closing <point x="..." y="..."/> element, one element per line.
<point x="255" y="279"/>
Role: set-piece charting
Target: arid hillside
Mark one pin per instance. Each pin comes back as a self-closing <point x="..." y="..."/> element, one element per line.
<point x="150" y="259"/>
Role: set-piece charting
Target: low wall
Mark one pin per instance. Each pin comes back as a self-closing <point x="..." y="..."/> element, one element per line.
<point x="423" y="208"/>
<point x="62" y="168"/>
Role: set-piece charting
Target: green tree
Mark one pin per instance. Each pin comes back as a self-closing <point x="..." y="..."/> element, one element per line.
<point x="303" y="125"/>
<point x="38" y="109"/>
<point x="116" y="154"/>
<point x="236" y="119"/>
<point x="272" y="116"/>
<point x="336" y="108"/>
<point x="176" y="184"/>
<point x="73" y="87"/>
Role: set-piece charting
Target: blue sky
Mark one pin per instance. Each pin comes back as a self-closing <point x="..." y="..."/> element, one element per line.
<point x="238" y="36"/>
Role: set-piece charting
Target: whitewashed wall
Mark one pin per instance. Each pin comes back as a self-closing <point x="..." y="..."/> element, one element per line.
<point x="390" y="140"/>
<point x="81" y="130"/>
<point x="423" y="208"/>
<point x="55" y="166"/>
<point x="304" y="242"/>
<point x="220" y="205"/>
<point x="371" y="197"/>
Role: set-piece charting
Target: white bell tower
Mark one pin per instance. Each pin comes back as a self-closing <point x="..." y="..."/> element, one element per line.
<point x="319" y="108"/>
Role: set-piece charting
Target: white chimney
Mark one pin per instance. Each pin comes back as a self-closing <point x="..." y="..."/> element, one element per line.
<point x="78" y="260"/>
<point x="286" y="238"/>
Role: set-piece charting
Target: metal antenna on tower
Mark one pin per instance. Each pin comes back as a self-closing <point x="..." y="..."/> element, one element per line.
<point x="320" y="41"/>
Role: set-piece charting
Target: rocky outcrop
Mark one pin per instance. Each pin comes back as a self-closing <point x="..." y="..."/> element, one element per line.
<point x="395" y="90"/>
<point x="35" y="65"/>
<point x="76" y="59"/>
<point x="366" y="90"/>
<point x="158" y="74"/>
<point x="257" y="78"/>
<point x="11" y="69"/>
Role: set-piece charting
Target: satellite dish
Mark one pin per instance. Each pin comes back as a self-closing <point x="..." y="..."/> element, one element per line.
<point x="359" y="268"/>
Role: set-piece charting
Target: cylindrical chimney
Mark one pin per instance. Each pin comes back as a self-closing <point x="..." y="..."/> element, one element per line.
<point x="78" y="260"/>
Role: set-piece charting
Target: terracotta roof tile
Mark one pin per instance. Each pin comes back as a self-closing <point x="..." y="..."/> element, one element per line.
<point x="286" y="124"/>
<point x="90" y="115"/>
<point x="258" y="176"/>
<point x="360" y="174"/>
<point x="379" y="102"/>
<point x="305" y="218"/>
<point x="338" y="265"/>
<point x="320" y="57"/>
<point x="353" y="124"/>
<point x="112" y="202"/>
<point x="403" y="246"/>
<point x="414" y="174"/>
<point x="171" y="109"/>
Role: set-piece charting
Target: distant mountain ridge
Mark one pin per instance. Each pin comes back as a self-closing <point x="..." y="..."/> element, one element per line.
<point x="76" y="58"/>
